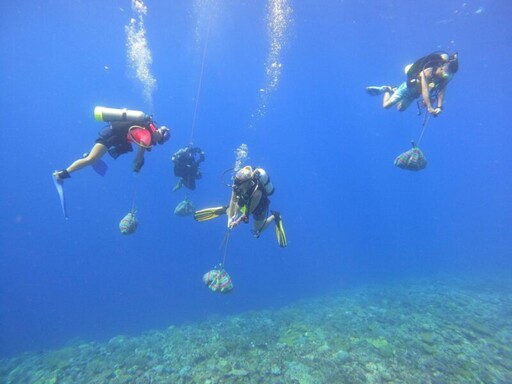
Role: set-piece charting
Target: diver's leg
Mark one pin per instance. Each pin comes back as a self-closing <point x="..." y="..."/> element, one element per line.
<point x="260" y="225"/>
<point x="390" y="99"/>
<point x="385" y="101"/>
<point x="404" y="104"/>
<point x="94" y="155"/>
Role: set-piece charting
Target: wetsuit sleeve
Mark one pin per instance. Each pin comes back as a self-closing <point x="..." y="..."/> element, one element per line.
<point x="139" y="160"/>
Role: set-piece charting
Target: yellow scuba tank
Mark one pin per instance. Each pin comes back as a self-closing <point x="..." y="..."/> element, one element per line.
<point x="118" y="114"/>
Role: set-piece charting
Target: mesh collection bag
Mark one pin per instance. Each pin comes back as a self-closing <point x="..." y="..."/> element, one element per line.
<point x="412" y="160"/>
<point x="218" y="280"/>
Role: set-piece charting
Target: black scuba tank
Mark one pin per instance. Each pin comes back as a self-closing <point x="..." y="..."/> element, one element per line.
<point x="434" y="60"/>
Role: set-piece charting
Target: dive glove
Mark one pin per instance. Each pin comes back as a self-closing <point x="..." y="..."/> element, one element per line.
<point x="137" y="165"/>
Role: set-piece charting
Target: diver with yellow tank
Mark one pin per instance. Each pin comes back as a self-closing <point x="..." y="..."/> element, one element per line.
<point x="126" y="127"/>
<point x="249" y="196"/>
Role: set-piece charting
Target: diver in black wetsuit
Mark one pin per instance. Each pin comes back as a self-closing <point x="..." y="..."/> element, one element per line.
<point x="186" y="166"/>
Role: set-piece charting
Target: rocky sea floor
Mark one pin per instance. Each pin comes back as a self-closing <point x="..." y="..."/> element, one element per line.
<point x="426" y="331"/>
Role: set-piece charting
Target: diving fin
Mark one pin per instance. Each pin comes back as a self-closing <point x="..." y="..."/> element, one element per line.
<point x="59" y="184"/>
<point x="280" y="234"/>
<point x="209" y="213"/>
<point x="100" y="167"/>
<point x="178" y="186"/>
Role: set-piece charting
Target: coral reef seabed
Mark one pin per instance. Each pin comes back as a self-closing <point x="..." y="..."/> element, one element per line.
<point x="432" y="331"/>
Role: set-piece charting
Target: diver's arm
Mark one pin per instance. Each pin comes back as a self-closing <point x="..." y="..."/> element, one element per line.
<point x="139" y="160"/>
<point x="425" y="92"/>
<point x="440" y="98"/>
<point x="232" y="210"/>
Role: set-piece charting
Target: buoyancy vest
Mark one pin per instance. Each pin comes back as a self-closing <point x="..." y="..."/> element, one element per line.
<point x="142" y="134"/>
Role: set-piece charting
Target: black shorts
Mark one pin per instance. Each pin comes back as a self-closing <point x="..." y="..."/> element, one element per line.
<point x="114" y="138"/>
<point x="261" y="211"/>
<point x="111" y="137"/>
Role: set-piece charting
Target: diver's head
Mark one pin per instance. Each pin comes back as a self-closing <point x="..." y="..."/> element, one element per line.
<point x="243" y="180"/>
<point x="164" y="134"/>
<point x="243" y="175"/>
<point x="451" y="67"/>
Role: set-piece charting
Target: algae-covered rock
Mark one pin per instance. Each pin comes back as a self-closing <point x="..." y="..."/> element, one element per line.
<point x="238" y="372"/>
<point x="223" y="366"/>
<point x="342" y="356"/>
<point x="427" y="337"/>
<point x="293" y="334"/>
<point x="431" y="350"/>
<point x="382" y="347"/>
<point x="275" y="370"/>
<point x="480" y="328"/>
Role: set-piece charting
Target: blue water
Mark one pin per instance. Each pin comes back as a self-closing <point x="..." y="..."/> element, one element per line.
<point x="351" y="217"/>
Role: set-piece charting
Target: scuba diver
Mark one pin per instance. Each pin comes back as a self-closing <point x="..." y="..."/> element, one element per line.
<point x="186" y="166"/>
<point x="117" y="139"/>
<point x="427" y="77"/>
<point x="250" y="192"/>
